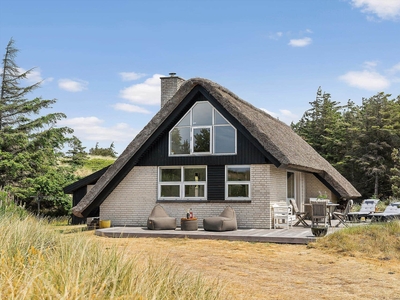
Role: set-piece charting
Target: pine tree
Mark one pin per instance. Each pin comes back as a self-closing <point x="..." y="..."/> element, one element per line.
<point x="322" y="126"/>
<point x="30" y="148"/>
<point x="377" y="137"/>
<point x="395" y="172"/>
<point x="76" y="156"/>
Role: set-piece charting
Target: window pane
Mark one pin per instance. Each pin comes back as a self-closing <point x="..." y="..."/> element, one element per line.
<point x="201" y="139"/>
<point x="224" y="139"/>
<point x="180" y="140"/>
<point x="239" y="174"/>
<point x="194" y="190"/>
<point x="219" y="119"/>
<point x="191" y="173"/>
<point x="202" y="114"/>
<point x="170" y="191"/>
<point x="170" y="175"/>
<point x="185" y="121"/>
<point x="238" y="190"/>
<point x="290" y="185"/>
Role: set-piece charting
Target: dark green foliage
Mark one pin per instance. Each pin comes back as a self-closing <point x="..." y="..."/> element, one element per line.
<point x="76" y="156"/>
<point x="30" y="142"/>
<point x="395" y="172"/>
<point x="110" y="151"/>
<point x="357" y="140"/>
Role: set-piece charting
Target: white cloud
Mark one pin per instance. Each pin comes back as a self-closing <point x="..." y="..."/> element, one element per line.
<point x="284" y="115"/>
<point x="91" y="129"/>
<point x="366" y="79"/>
<point x="275" y="35"/>
<point x="72" y="85"/>
<point x="384" y="9"/>
<point x="130" y="76"/>
<point x="130" y="108"/>
<point x="395" y="69"/>
<point x="147" y="93"/>
<point x="370" y="64"/>
<point x="300" y="42"/>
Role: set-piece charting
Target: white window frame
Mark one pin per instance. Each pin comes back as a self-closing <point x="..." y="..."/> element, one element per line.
<point x="192" y="140"/>
<point x="181" y="183"/>
<point x="294" y="185"/>
<point x="227" y="183"/>
<point x="212" y="130"/>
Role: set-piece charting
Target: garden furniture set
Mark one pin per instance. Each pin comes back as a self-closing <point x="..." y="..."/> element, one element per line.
<point x="160" y="220"/>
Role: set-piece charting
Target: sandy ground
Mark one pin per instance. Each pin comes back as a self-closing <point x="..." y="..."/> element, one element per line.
<point x="274" y="271"/>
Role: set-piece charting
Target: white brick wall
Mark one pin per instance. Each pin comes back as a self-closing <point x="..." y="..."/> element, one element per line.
<point x="134" y="198"/>
<point x="314" y="186"/>
<point x="132" y="201"/>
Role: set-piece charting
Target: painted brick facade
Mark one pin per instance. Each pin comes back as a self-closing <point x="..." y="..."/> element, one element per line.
<point x="314" y="186"/>
<point x="132" y="201"/>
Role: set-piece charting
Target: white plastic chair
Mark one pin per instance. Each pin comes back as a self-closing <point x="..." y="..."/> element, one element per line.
<point x="282" y="215"/>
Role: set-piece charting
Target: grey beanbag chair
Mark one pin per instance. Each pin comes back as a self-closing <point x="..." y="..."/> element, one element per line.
<point x="224" y="222"/>
<point x="159" y="219"/>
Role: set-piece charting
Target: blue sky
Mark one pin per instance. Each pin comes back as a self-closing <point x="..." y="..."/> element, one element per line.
<point x="102" y="59"/>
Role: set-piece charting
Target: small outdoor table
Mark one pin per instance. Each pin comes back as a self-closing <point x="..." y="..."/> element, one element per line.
<point x="189" y="224"/>
<point x="330" y="209"/>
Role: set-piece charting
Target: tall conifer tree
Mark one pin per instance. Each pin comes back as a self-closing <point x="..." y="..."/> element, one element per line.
<point x="30" y="142"/>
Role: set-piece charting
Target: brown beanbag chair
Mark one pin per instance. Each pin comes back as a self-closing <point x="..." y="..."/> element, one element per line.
<point x="224" y="222"/>
<point x="159" y="219"/>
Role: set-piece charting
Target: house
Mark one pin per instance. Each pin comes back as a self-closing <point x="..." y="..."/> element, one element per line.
<point x="79" y="189"/>
<point x="207" y="149"/>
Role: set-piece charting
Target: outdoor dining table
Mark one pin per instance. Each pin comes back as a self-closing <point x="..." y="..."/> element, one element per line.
<point x="330" y="209"/>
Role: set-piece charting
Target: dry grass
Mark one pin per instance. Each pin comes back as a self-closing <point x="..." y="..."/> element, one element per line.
<point x="40" y="263"/>
<point x="273" y="271"/>
<point x="37" y="262"/>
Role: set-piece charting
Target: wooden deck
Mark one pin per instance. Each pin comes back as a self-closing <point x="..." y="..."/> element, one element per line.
<point x="295" y="235"/>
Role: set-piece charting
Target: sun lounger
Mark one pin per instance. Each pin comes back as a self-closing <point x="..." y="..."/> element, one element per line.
<point x="366" y="210"/>
<point x="391" y="212"/>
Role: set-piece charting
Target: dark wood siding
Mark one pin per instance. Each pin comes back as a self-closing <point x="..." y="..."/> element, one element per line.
<point x="216" y="183"/>
<point x="154" y="152"/>
<point x="77" y="196"/>
<point x="157" y="155"/>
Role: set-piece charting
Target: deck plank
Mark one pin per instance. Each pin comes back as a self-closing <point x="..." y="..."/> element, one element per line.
<point x="295" y="235"/>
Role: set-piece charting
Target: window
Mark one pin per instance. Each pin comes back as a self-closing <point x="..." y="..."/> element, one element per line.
<point x="203" y="130"/>
<point x="237" y="181"/>
<point x="290" y="185"/>
<point x="182" y="183"/>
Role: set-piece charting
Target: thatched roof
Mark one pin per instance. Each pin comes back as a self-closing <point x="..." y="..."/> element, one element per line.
<point x="276" y="137"/>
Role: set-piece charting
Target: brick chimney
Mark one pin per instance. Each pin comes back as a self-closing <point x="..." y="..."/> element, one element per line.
<point x="169" y="86"/>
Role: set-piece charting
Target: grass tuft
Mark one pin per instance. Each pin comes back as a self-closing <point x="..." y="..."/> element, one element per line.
<point x="380" y="240"/>
<point x="37" y="262"/>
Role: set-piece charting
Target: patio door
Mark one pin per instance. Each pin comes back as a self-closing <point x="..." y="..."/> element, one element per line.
<point x="295" y="188"/>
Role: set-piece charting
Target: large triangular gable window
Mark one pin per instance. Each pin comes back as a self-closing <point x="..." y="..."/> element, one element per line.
<point x="202" y="131"/>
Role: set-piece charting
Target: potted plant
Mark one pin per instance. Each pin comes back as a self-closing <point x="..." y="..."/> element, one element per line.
<point x="319" y="231"/>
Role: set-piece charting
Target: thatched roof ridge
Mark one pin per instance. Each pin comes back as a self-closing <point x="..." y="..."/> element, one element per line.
<point x="276" y="137"/>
